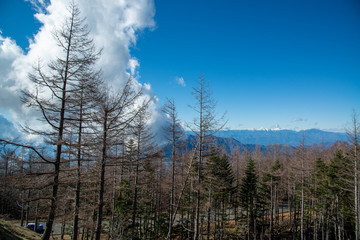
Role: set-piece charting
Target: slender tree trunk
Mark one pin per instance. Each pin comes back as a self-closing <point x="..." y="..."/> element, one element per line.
<point x="37" y="211"/>
<point x="271" y="211"/>
<point x="183" y="190"/>
<point x="159" y="205"/>
<point x="262" y="224"/>
<point x="135" y="199"/>
<point x="254" y="223"/>
<point x="208" y="223"/>
<point x="102" y="178"/>
<point x="113" y="203"/>
<point x="276" y="207"/>
<point x="63" y="225"/>
<point x="83" y="234"/>
<point x="322" y="227"/>
<point x="198" y="196"/>
<point x="353" y="137"/>
<point x="316" y="225"/>
<point x="302" y="200"/>
<point x="200" y="156"/>
<point x="290" y="207"/>
<point x="215" y="222"/>
<point x="295" y="227"/>
<point x="22" y="209"/>
<point x="208" y="216"/>
<point x="27" y="212"/>
<point x="172" y="195"/>
<point x="356" y="191"/>
<point x="78" y="174"/>
<point x="55" y="185"/>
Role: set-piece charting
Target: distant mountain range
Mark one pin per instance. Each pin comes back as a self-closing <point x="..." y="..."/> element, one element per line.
<point x="228" y="144"/>
<point x="264" y="140"/>
<point x="231" y="139"/>
<point x="287" y="137"/>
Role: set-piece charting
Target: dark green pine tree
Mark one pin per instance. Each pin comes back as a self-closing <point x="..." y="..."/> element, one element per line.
<point x="340" y="178"/>
<point x="248" y="198"/>
<point x="219" y="176"/>
<point x="219" y="181"/>
<point x="124" y="202"/>
<point x="321" y="199"/>
<point x="267" y="197"/>
<point x="333" y="198"/>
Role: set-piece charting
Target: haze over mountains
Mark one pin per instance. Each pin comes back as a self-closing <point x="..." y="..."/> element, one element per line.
<point x="230" y="138"/>
<point x="288" y="137"/>
<point x="264" y="140"/>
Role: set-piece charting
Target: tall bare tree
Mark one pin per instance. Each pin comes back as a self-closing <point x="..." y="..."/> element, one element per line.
<point x="203" y="126"/>
<point x="145" y="144"/>
<point x="353" y="135"/>
<point x="116" y="111"/>
<point x="174" y="132"/>
<point x="81" y="102"/>
<point x="53" y="87"/>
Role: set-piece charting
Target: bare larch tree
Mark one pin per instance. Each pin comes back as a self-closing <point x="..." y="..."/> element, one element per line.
<point x="174" y="132"/>
<point x="115" y="113"/>
<point x="203" y="126"/>
<point x="54" y="85"/>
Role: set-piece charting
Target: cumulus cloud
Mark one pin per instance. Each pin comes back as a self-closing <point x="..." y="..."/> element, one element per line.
<point x="9" y="86"/>
<point x="39" y="5"/>
<point x="114" y="26"/>
<point x="133" y="65"/>
<point x="181" y="81"/>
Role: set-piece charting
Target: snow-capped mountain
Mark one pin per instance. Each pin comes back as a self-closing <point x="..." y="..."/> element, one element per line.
<point x="278" y="136"/>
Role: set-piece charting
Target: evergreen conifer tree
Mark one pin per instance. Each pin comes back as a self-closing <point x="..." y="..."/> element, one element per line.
<point x="248" y="197"/>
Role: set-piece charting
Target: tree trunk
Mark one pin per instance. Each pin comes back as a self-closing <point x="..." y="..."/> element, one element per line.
<point x="55" y="185"/>
<point x="197" y="213"/>
<point x="135" y="199"/>
<point x="27" y="212"/>
<point x="113" y="203"/>
<point x="208" y="223"/>
<point x="78" y="174"/>
<point x="302" y="200"/>
<point x="37" y="212"/>
<point x="63" y="225"/>
<point x="22" y="210"/>
<point x="215" y="222"/>
<point x="271" y="211"/>
<point x="102" y="179"/>
<point x="172" y="194"/>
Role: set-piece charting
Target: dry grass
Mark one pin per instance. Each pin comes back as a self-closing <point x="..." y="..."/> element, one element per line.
<point x="10" y="231"/>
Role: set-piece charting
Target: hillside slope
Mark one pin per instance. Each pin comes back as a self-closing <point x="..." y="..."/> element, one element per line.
<point x="10" y="231"/>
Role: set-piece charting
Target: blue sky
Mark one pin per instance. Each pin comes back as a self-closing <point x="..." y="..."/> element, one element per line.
<point x="287" y="64"/>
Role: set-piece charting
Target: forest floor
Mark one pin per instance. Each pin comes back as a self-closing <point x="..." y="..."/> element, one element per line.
<point x="11" y="231"/>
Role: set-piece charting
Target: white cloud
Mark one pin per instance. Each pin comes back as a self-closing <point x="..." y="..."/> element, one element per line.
<point x="181" y="81"/>
<point x="39" y="5"/>
<point x="298" y="119"/>
<point x="9" y="86"/>
<point x="133" y="65"/>
<point x="114" y="26"/>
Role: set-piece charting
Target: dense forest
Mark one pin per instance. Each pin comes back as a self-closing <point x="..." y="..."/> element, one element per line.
<point x="100" y="172"/>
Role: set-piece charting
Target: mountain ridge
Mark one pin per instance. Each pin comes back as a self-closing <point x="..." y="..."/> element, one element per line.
<point x="228" y="144"/>
<point x="284" y="136"/>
